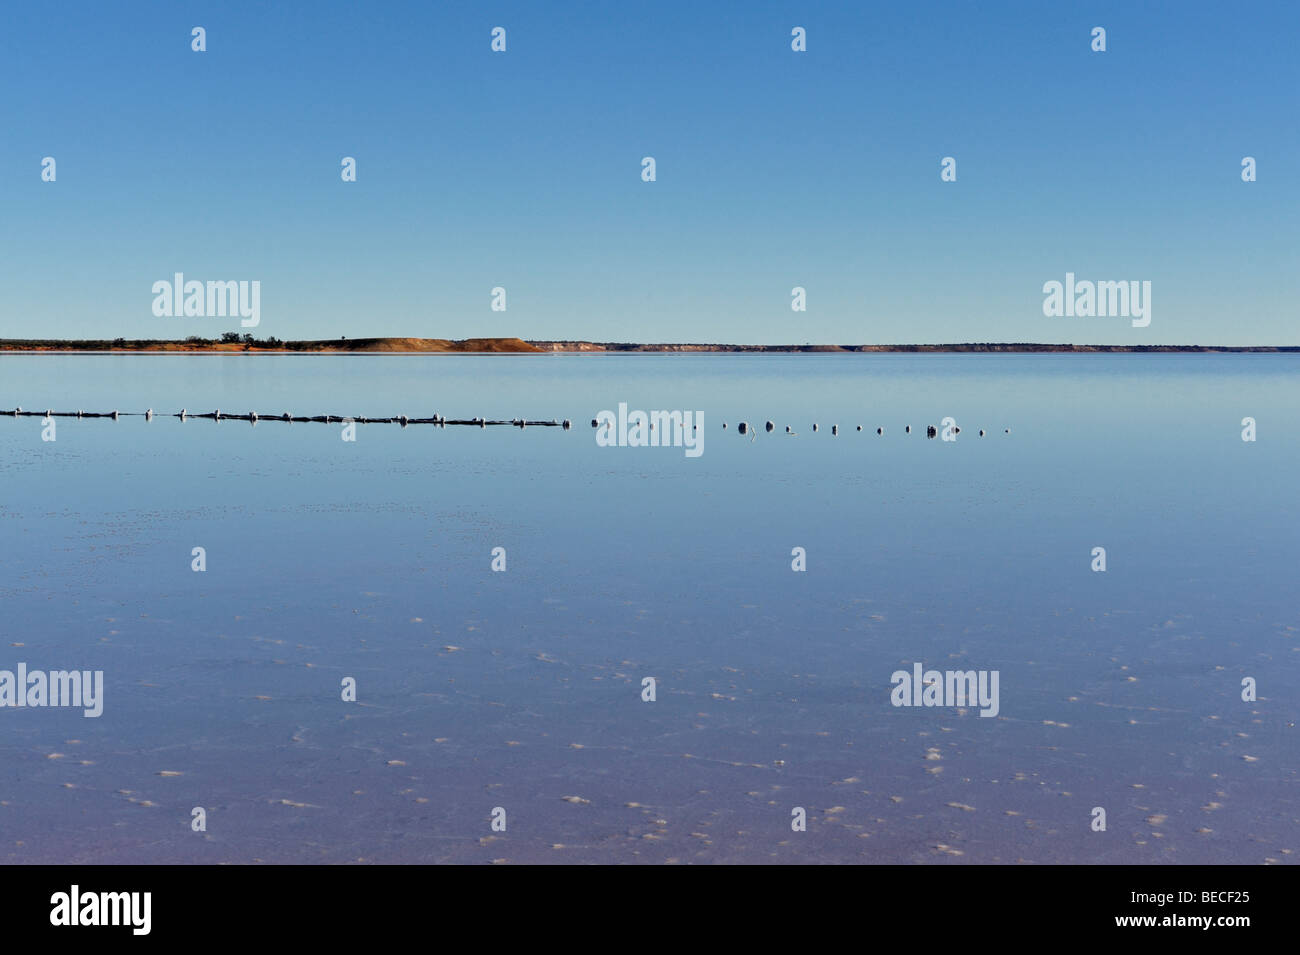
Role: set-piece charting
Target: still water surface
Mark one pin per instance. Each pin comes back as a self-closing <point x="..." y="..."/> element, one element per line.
<point x="372" y="560"/>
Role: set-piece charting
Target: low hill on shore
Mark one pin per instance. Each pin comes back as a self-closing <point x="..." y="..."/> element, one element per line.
<point x="416" y="345"/>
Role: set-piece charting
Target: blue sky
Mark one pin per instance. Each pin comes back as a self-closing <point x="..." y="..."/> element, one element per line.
<point x="775" y="169"/>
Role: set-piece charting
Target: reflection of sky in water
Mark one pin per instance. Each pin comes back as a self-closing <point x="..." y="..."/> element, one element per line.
<point x="328" y="559"/>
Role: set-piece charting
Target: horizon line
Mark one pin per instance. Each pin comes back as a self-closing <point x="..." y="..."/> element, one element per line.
<point x="232" y="342"/>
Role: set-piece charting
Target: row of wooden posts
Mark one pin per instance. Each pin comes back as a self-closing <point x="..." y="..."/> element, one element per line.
<point x="217" y="415"/>
<point x="744" y="427"/>
<point x="253" y="416"/>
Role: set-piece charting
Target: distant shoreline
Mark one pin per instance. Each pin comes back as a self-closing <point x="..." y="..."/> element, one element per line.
<point x="516" y="346"/>
<point x="960" y="347"/>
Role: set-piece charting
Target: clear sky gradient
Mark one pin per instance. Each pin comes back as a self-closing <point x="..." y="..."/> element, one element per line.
<point x="775" y="169"/>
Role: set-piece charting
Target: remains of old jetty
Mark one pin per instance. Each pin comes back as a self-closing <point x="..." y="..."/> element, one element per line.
<point x="254" y="417"/>
<point x="401" y="420"/>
